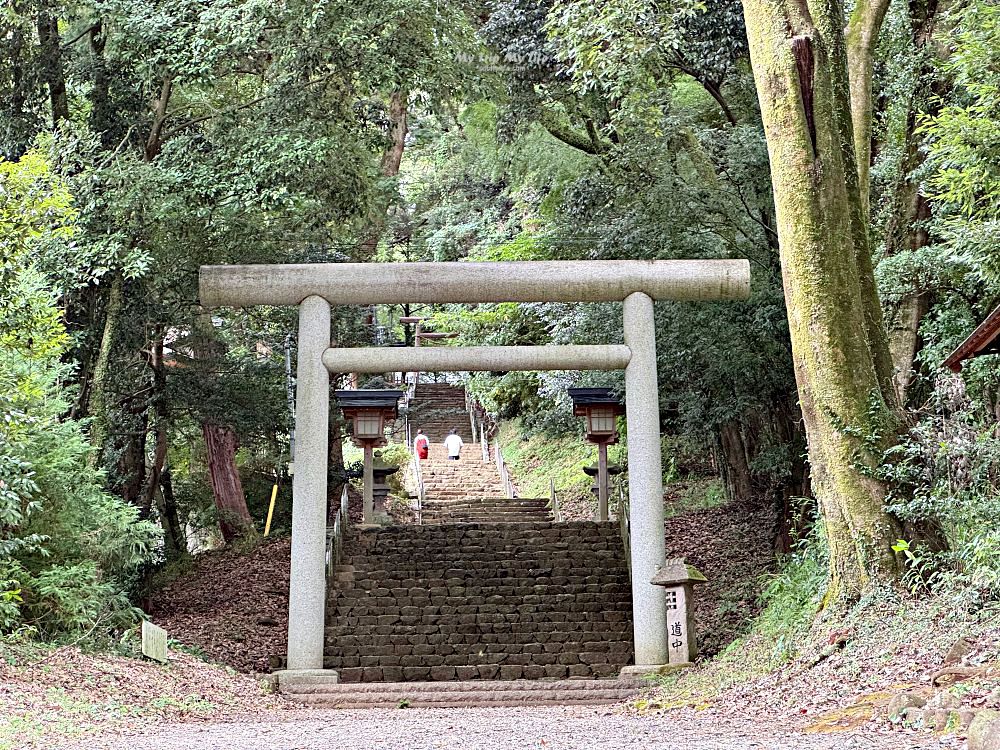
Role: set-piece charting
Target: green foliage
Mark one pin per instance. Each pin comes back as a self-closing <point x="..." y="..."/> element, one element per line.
<point x="963" y="140"/>
<point x="945" y="472"/>
<point x="535" y="459"/>
<point x="790" y="602"/>
<point x="396" y="454"/>
<point x="68" y="551"/>
<point x="630" y="51"/>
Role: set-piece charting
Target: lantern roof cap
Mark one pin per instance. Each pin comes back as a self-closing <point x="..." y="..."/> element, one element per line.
<point x="676" y="571"/>
<point x="593" y="396"/>
<point x="368" y="399"/>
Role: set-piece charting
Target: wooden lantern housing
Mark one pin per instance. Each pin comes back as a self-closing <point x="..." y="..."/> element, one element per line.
<point x="601" y="409"/>
<point x="369" y="411"/>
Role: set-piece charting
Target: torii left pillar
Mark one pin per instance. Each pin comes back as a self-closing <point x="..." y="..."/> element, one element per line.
<point x="307" y="582"/>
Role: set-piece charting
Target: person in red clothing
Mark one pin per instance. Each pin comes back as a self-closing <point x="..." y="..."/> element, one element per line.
<point x="422" y="445"/>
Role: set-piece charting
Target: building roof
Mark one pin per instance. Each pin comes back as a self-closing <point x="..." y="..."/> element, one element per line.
<point x="984" y="340"/>
<point x="587" y="396"/>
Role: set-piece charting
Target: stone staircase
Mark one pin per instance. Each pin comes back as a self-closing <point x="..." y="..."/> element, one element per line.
<point x="486" y="603"/>
<point x="478" y="601"/>
<point x="438" y="408"/>
<point x="470" y="491"/>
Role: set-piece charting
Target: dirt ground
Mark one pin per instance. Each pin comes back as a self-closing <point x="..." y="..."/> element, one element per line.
<point x="500" y="729"/>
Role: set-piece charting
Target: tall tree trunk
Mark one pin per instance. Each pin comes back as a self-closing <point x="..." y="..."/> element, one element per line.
<point x="173" y="532"/>
<point x="154" y="142"/>
<point x="131" y="467"/>
<point x="391" y="160"/>
<point x="904" y="338"/>
<point x="734" y="463"/>
<point x="863" y="28"/>
<point x="97" y="408"/>
<point x="160" y="421"/>
<point x="221" y="445"/>
<point x="907" y="231"/>
<point x="52" y="66"/>
<point x="839" y="344"/>
<point x="20" y="128"/>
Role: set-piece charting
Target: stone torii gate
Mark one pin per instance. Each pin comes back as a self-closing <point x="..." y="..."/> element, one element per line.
<point x="314" y="287"/>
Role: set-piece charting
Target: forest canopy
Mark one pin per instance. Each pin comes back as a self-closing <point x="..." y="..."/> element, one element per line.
<point x="140" y="141"/>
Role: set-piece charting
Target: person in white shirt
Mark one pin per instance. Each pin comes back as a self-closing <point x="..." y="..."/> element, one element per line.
<point x="453" y="444"/>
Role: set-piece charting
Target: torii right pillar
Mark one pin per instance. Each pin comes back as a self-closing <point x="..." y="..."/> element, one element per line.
<point x="645" y="481"/>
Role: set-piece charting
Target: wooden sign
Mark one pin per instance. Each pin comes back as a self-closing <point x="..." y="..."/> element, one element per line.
<point x="154" y="642"/>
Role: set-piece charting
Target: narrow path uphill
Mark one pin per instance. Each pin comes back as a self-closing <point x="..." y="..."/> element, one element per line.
<point x="487" y="602"/>
<point x="438" y="408"/>
<point x="469" y="489"/>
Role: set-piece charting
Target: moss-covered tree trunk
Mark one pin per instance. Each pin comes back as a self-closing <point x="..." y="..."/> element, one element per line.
<point x="839" y="343"/>
<point x="907" y="230"/>
<point x="97" y="407"/>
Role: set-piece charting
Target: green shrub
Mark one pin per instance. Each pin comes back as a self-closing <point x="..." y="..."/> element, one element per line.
<point x="791" y="599"/>
<point x="947" y="471"/>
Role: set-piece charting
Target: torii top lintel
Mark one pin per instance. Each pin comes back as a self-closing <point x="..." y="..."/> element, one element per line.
<point x="516" y="281"/>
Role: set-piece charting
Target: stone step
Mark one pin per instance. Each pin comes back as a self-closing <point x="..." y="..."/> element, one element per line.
<point x="410" y="577"/>
<point x="554" y="529"/>
<point x="465" y="693"/>
<point x="577" y="617"/>
<point x="456" y="506"/>
<point x="476" y="519"/>
<point x="470" y="514"/>
<point x="417" y="587"/>
<point x="566" y="611"/>
<point x="592" y="647"/>
<point x="445" y="672"/>
<point x="588" y="622"/>
<point x="460" y="517"/>
<point x="460" y="500"/>
<point x="604" y="637"/>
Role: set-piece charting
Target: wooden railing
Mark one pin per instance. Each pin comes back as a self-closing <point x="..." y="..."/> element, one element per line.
<point x="418" y="480"/>
<point x="335" y="534"/>
<point x="508" y="484"/>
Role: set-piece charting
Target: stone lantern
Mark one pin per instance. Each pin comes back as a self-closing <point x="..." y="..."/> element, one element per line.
<point x="380" y="487"/>
<point x="369" y="411"/>
<point x="594" y="471"/>
<point x="601" y="409"/>
<point x="679" y="580"/>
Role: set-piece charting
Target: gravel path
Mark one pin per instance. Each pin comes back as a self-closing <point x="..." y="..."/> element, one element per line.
<point x="561" y="728"/>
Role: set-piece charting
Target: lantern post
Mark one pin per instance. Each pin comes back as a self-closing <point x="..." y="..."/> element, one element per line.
<point x="369" y="411"/>
<point x="601" y="409"/>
